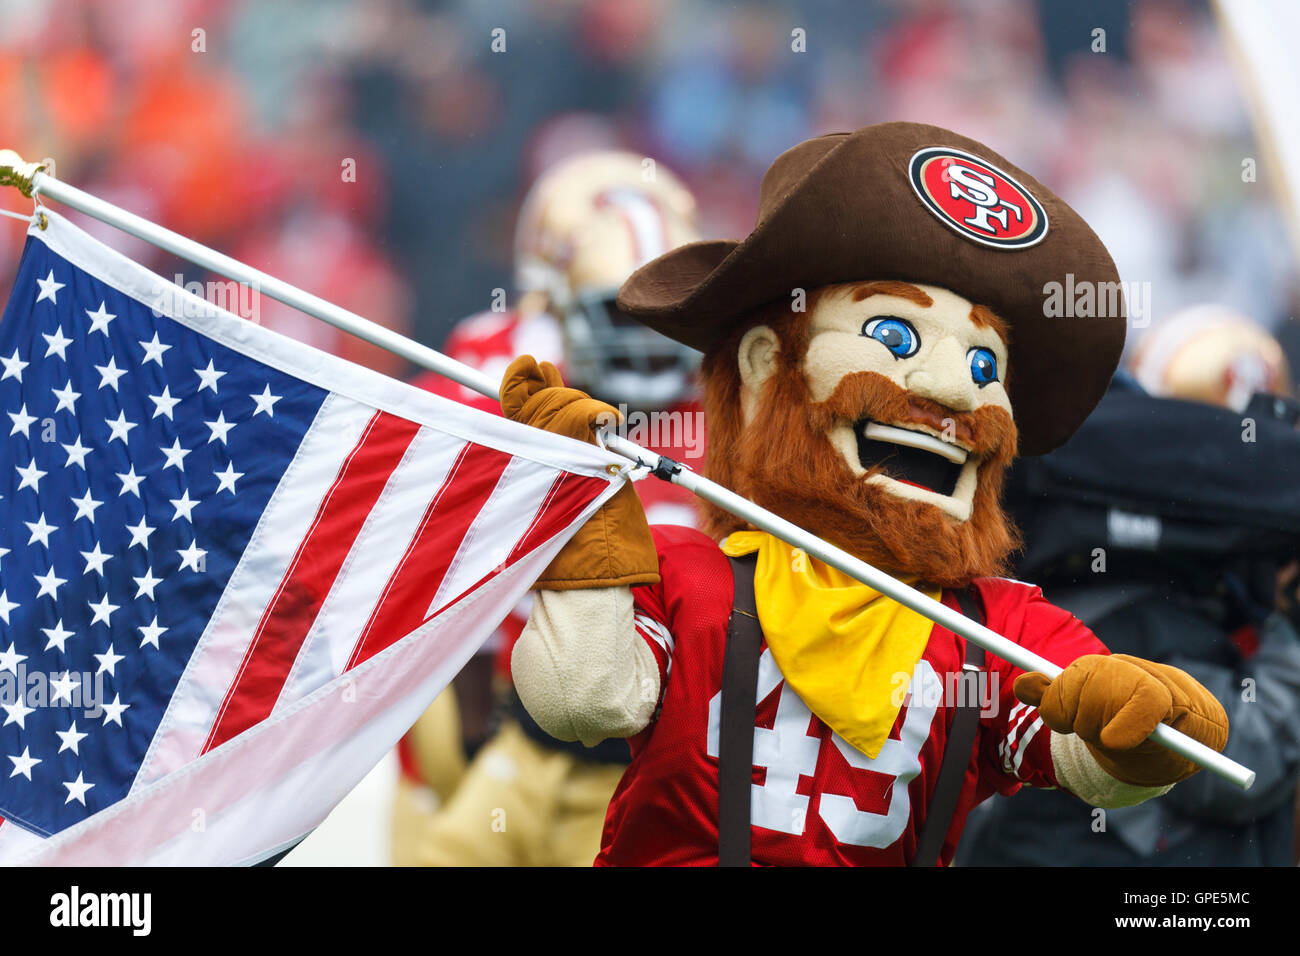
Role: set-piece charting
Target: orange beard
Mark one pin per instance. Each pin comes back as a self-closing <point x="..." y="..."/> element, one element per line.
<point x="784" y="461"/>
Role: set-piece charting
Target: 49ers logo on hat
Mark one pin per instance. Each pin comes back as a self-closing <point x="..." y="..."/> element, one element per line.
<point x="977" y="199"/>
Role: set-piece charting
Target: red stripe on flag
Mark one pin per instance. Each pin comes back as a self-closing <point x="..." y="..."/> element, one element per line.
<point x="564" y="501"/>
<point x="310" y="575"/>
<point x="414" y="583"/>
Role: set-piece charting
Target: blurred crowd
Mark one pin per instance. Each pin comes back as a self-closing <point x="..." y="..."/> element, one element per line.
<point x="376" y="153"/>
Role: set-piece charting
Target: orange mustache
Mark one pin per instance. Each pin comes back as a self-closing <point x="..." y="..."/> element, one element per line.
<point x="989" y="432"/>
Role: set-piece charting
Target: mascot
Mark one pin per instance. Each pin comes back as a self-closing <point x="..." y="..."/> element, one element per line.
<point x="876" y="352"/>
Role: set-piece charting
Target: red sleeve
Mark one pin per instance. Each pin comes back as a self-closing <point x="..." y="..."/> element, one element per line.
<point x="694" y="593"/>
<point x="650" y="616"/>
<point x="1015" y="745"/>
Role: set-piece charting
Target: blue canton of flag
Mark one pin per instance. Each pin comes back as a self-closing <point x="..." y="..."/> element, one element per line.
<point x="137" y="459"/>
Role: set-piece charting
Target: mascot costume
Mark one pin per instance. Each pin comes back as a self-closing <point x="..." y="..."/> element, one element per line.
<point x="876" y="352"/>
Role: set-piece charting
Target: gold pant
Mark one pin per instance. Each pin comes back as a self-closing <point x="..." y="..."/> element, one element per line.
<point x="518" y="804"/>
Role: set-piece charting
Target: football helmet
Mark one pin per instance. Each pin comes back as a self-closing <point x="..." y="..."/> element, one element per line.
<point x="1211" y="353"/>
<point x="585" y="226"/>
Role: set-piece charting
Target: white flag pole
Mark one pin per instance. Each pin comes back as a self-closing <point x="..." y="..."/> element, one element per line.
<point x="32" y="181"/>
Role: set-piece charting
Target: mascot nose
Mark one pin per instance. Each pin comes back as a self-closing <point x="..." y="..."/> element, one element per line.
<point x="944" y="377"/>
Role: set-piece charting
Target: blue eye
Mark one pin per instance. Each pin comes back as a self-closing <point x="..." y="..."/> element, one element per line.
<point x="895" y="334"/>
<point x="983" y="366"/>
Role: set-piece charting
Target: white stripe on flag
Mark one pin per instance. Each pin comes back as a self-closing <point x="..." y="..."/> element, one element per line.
<point x="185" y="726"/>
<point x="371" y="562"/>
<point x="15" y="842"/>
<point x="497" y="528"/>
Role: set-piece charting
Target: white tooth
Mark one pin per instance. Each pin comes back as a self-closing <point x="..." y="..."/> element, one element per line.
<point x="921" y="440"/>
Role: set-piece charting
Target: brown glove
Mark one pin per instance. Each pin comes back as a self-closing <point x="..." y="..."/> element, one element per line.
<point x="1114" y="702"/>
<point x="614" y="547"/>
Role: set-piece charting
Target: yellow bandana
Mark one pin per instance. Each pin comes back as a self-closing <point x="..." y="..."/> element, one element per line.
<point x="846" y="649"/>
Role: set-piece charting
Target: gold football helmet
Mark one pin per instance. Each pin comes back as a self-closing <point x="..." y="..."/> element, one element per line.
<point x="585" y="226"/>
<point x="1210" y="353"/>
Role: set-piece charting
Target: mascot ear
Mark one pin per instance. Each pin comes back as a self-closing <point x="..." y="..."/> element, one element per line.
<point x="757" y="358"/>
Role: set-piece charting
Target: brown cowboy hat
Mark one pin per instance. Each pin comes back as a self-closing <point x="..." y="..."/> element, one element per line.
<point x="921" y="204"/>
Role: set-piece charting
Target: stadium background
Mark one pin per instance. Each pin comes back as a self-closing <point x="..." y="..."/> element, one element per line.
<point x="234" y="123"/>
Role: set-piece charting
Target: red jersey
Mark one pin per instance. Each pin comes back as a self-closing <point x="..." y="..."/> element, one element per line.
<point x="816" y="800"/>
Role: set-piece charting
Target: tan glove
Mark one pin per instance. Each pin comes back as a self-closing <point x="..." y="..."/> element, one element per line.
<point x="1114" y="702"/>
<point x="614" y="547"/>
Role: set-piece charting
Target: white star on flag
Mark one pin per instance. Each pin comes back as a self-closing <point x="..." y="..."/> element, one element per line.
<point x="24" y="764"/>
<point x="226" y="479"/>
<point x="95" y="560"/>
<point x="175" y="456"/>
<point x="77" y="789"/>
<point x="41" y="530"/>
<point x="31" y="477"/>
<point x="149" y="633"/>
<point x="50" y="584"/>
<point x="108" y="661"/>
<point x="13" y="367"/>
<point x="10" y="659"/>
<point x="121" y="428"/>
<point x="70" y="738"/>
<point x="57" y="344"/>
<point x="164" y="403"/>
<point x="208" y="377"/>
<point x="63" y="687"/>
<point x="130" y="482"/>
<point x="99" y="319"/>
<point x="192" y="557"/>
<point x="56" y="637"/>
<point x="219" y="428"/>
<point x="140" y="534"/>
<point x="153" y="351"/>
<point x="146" y="584"/>
<point x="16" y="713"/>
<point x="49" y="288"/>
<point x="184" y="505"/>
<point x="113" y="712"/>
<point x="22" y="421"/>
<point x="77" y="453"/>
<point x="265" y="402"/>
<point x="86" y="506"/>
<point x="103" y="611"/>
<point x="109" y="373"/>
<point x="67" y="398"/>
<point x="7" y="605"/>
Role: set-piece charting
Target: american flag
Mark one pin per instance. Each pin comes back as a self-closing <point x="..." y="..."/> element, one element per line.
<point x="233" y="569"/>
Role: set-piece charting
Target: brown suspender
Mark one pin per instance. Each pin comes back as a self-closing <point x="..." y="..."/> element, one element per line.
<point x="736" y="730"/>
<point x="736" y="720"/>
<point x="957" y="748"/>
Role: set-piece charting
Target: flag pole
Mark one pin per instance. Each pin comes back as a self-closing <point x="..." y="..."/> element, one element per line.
<point x="33" y="181"/>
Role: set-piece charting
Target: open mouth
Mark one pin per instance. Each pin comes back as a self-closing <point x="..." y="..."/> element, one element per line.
<point x="912" y="457"/>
